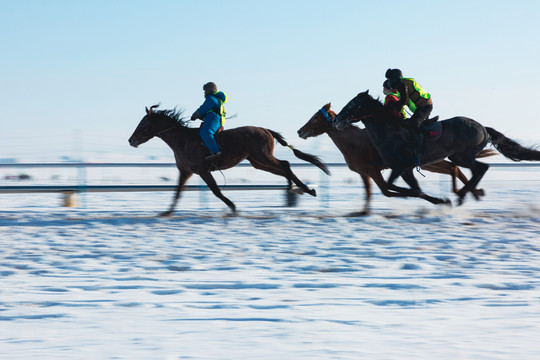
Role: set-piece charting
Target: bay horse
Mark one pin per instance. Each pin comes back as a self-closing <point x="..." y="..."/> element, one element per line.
<point x="362" y="157"/>
<point x="253" y="143"/>
<point x="461" y="140"/>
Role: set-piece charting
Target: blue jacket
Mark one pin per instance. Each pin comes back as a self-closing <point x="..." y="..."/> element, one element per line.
<point x="212" y="108"/>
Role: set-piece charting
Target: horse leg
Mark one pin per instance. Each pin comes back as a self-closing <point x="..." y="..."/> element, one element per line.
<point x="383" y="186"/>
<point x="477" y="193"/>
<point x="367" y="187"/>
<point x="184" y="176"/>
<point x="409" y="178"/>
<point x="281" y="168"/>
<point x="446" y="167"/>
<point x="211" y="182"/>
<point x="401" y="190"/>
<point x="478" y="170"/>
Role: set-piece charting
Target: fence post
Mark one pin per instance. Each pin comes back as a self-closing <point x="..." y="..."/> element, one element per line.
<point x="70" y="199"/>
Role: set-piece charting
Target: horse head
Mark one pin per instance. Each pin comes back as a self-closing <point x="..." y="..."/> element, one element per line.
<point x="357" y="109"/>
<point x="319" y="123"/>
<point x="146" y="128"/>
<point x="155" y="123"/>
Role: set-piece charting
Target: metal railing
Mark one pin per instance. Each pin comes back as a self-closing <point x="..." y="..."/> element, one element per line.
<point x="82" y="186"/>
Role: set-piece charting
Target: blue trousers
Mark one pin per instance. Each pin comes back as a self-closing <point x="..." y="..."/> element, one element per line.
<point x="209" y="128"/>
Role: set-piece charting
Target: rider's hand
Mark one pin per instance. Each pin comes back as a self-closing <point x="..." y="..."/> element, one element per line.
<point x="195" y="115"/>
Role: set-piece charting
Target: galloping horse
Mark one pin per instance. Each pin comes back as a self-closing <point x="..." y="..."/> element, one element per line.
<point x="255" y="144"/>
<point x="461" y="140"/>
<point x="362" y="157"/>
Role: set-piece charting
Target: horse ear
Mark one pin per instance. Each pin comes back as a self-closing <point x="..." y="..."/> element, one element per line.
<point x="367" y="91"/>
<point x="327" y="106"/>
<point x="147" y="111"/>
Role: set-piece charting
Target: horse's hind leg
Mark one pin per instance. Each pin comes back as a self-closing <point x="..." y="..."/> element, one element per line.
<point x="477" y="193"/>
<point x="478" y="170"/>
<point x="211" y="182"/>
<point x="281" y="168"/>
<point x="446" y="167"/>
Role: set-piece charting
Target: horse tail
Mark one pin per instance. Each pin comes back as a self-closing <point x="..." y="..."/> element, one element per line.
<point x="486" y="153"/>
<point x="512" y="149"/>
<point x="300" y="154"/>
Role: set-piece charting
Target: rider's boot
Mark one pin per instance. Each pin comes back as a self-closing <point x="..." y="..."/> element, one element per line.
<point x="213" y="156"/>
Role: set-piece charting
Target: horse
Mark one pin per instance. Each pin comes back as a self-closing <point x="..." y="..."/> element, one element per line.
<point x="253" y="143"/>
<point x="362" y="157"/>
<point x="460" y="140"/>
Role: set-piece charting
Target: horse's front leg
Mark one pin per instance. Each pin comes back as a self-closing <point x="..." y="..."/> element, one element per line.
<point x="184" y="176"/>
<point x="409" y="178"/>
<point x="211" y="182"/>
<point x="391" y="186"/>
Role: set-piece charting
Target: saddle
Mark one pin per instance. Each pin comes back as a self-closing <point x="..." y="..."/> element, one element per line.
<point x="431" y="129"/>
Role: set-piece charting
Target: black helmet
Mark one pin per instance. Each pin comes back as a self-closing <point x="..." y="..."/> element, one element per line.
<point x="393" y="74"/>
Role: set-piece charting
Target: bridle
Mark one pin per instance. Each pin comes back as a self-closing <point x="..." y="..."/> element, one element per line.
<point x="359" y="118"/>
<point x="326" y="115"/>
<point x="362" y="117"/>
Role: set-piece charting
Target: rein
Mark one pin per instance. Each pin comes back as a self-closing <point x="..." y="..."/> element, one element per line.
<point x="364" y="117"/>
<point x="168" y="129"/>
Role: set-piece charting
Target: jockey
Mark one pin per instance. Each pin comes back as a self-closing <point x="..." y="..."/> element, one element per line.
<point x="212" y="114"/>
<point x="411" y="94"/>
<point x="391" y="96"/>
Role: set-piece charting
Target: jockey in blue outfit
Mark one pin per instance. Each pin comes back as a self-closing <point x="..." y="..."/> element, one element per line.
<point x="212" y="114"/>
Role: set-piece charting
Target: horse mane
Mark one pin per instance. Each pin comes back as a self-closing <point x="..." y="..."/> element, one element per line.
<point x="175" y="115"/>
<point x="387" y="111"/>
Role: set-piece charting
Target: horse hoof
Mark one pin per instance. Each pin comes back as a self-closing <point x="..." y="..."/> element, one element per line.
<point x="417" y="192"/>
<point x="359" y="213"/>
<point x="166" y="213"/>
<point x="296" y="190"/>
<point x="312" y="192"/>
<point x="447" y="202"/>
<point x="478" y="193"/>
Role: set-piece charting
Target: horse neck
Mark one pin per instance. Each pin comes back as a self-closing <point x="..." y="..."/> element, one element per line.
<point x="350" y="139"/>
<point x="341" y="138"/>
<point x="376" y="128"/>
<point x="175" y="138"/>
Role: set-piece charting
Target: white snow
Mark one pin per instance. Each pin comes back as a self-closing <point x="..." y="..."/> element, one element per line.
<point x="110" y="280"/>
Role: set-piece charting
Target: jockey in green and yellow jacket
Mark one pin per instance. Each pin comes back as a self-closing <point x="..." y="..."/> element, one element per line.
<point x="412" y="95"/>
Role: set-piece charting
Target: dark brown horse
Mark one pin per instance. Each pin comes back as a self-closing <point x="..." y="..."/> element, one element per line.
<point x="247" y="142"/>
<point x="362" y="157"/>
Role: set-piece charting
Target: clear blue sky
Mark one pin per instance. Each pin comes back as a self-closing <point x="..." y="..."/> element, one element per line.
<point x="78" y="74"/>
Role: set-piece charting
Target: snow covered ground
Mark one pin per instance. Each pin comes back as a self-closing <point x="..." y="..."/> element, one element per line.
<point x="110" y="280"/>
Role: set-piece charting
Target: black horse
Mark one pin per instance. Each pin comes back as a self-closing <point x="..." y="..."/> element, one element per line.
<point x="460" y="139"/>
<point x="255" y="144"/>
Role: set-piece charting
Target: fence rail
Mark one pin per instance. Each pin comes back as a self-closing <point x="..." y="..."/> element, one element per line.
<point x="123" y="188"/>
<point x="82" y="187"/>
<point x="70" y="191"/>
